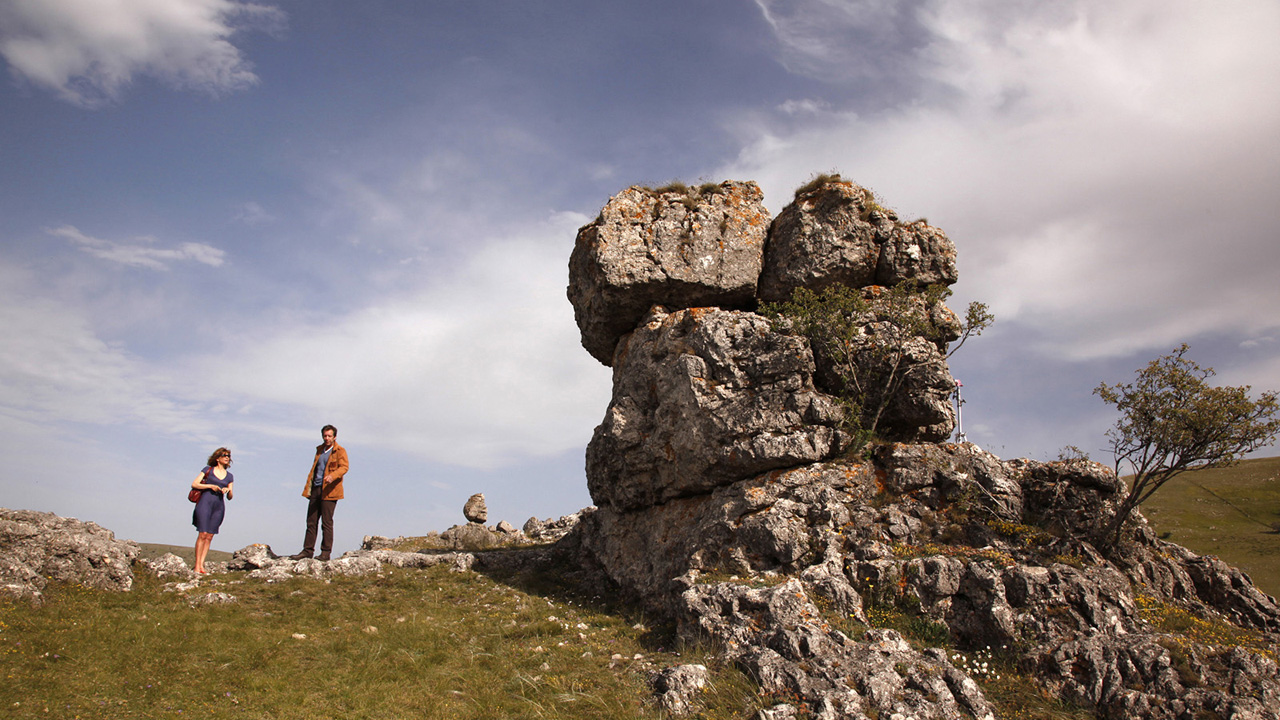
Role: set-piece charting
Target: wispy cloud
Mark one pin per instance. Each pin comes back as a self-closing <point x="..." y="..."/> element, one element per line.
<point x="55" y="368"/>
<point x="840" y="40"/>
<point x="253" y="215"/>
<point x="479" y="369"/>
<point x="88" y="52"/>
<point x="143" y="252"/>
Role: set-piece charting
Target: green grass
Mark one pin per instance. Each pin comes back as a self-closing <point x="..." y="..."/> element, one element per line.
<point x="1227" y="512"/>
<point x="405" y="643"/>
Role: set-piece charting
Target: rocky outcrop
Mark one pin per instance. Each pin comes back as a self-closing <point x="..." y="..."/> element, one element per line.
<point x="992" y="553"/>
<point x="704" y="397"/>
<point x="836" y="232"/>
<point x="783" y="640"/>
<point x="36" y="547"/>
<point x="726" y="504"/>
<point x="678" y="247"/>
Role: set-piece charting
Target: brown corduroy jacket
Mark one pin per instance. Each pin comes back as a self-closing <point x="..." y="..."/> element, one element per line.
<point x="337" y="467"/>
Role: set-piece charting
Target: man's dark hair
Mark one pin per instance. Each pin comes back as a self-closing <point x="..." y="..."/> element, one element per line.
<point x="329" y="427"/>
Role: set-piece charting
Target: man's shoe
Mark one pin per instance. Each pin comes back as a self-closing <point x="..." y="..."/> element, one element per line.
<point x="300" y="556"/>
<point x="323" y="557"/>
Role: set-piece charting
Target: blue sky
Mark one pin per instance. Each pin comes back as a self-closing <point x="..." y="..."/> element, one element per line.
<point x="229" y="223"/>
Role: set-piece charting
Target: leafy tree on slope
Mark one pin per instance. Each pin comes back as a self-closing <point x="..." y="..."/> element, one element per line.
<point x="1172" y="421"/>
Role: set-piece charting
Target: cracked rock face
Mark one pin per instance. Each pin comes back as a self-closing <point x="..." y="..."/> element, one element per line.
<point x="677" y="249"/>
<point x="703" y="397"/>
<point x="781" y="638"/>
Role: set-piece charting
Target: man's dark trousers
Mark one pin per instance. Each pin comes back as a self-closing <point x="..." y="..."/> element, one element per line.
<point x="319" y="512"/>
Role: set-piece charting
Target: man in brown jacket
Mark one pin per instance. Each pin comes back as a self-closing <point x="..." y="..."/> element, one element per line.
<point x="323" y="491"/>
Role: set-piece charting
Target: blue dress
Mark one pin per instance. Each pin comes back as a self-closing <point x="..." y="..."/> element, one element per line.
<point x="207" y="517"/>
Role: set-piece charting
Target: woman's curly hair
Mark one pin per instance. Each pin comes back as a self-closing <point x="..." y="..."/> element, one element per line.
<point x="213" y="459"/>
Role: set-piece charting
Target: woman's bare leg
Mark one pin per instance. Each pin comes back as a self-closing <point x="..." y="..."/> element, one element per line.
<point x="203" y="541"/>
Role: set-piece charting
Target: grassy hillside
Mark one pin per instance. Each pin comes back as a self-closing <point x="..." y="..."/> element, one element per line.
<point x="430" y="644"/>
<point x="404" y="643"/>
<point x="438" y="644"/>
<point x="1229" y="512"/>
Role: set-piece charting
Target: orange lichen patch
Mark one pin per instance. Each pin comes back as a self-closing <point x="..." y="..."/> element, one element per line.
<point x="881" y="476"/>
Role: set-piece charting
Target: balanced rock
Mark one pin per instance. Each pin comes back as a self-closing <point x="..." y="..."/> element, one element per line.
<point x="679" y="248"/>
<point x="704" y="397"/>
<point x="836" y="232"/>
<point x="475" y="509"/>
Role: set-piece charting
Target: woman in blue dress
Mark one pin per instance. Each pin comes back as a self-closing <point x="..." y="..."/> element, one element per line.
<point x="215" y="482"/>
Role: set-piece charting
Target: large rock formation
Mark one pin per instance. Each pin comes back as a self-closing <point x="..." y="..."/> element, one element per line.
<point x="36" y="547"/>
<point x="679" y="247"/>
<point x="725" y="503"/>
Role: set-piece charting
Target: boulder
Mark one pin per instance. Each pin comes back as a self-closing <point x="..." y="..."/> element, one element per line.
<point x="552" y="529"/>
<point x="836" y="232"/>
<point x="677" y="688"/>
<point x="675" y="247"/>
<point x="168" y="566"/>
<point x="704" y="397"/>
<point x="253" y="557"/>
<point x="475" y="509"/>
<point x="472" y="536"/>
<point x="36" y="547"/>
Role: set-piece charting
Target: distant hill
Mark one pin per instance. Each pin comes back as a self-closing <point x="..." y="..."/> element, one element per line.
<point x="186" y="552"/>
<point x="1230" y="512"/>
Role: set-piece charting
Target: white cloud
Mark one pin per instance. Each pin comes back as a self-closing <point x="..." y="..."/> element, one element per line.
<point x="478" y="369"/>
<point x="1106" y="170"/>
<point x="88" y="51"/>
<point x="55" y="369"/>
<point x="143" y="253"/>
